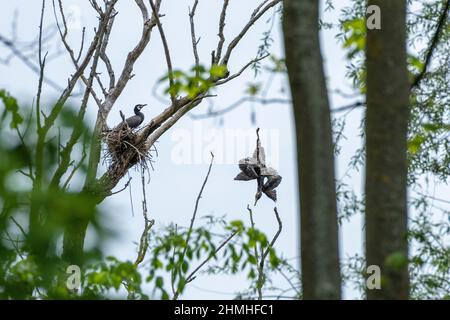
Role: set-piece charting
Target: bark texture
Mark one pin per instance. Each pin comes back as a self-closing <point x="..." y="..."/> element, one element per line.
<point x="386" y="154"/>
<point x="318" y="214"/>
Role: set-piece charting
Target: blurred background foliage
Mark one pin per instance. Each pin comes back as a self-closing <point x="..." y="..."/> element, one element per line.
<point x="22" y="274"/>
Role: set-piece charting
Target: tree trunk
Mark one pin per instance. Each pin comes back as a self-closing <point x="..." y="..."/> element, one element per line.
<point x="318" y="214"/>
<point x="386" y="136"/>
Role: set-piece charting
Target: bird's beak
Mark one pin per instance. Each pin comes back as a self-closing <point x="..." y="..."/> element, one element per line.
<point x="144" y="105"/>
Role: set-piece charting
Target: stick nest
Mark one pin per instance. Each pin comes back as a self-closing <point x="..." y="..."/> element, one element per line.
<point x="123" y="150"/>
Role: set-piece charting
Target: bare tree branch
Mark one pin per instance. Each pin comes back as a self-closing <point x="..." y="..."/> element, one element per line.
<point x="264" y="253"/>
<point x="75" y="59"/>
<point x="242" y="70"/>
<point x="193" y="36"/>
<point x="221" y="35"/>
<point x="16" y="52"/>
<point x="114" y="93"/>
<point x="191" y="276"/>
<point x="255" y="17"/>
<point x="78" y="129"/>
<point x="197" y="201"/>
<point x="238" y="103"/>
<point x="166" y="47"/>
<point x="443" y="19"/>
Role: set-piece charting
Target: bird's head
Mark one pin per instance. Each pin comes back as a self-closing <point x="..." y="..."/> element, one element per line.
<point x="138" y="107"/>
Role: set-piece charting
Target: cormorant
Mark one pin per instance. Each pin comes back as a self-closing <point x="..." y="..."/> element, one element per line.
<point x="138" y="118"/>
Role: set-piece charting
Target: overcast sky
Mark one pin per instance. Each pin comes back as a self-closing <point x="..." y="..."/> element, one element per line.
<point x="184" y="151"/>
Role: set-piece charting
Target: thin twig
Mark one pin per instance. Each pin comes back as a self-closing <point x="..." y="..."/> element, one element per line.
<point x="349" y="107"/>
<point x="30" y="64"/>
<point x="257" y="257"/>
<point x="124" y="187"/>
<point x="75" y="169"/>
<point x="193" y="36"/>
<point x="434" y="42"/>
<point x="236" y="104"/>
<point x="252" y="20"/>
<point x="22" y="230"/>
<point x="220" y="34"/>
<point x="165" y="45"/>
<point x="197" y="201"/>
<point x="194" y="215"/>
<point x="191" y="276"/>
<point x="220" y="82"/>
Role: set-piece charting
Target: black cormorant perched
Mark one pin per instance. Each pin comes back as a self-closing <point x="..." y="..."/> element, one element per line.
<point x="138" y="118"/>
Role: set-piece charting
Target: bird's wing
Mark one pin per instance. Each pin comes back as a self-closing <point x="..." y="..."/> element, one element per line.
<point x="243" y="177"/>
<point x="272" y="194"/>
<point x="268" y="171"/>
<point x="272" y="182"/>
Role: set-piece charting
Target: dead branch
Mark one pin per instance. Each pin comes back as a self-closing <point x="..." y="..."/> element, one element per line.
<point x="77" y="131"/>
<point x="193" y="36"/>
<point x="30" y="64"/>
<point x="221" y="35"/>
<point x="75" y="59"/>
<point x="263" y="254"/>
<point x="197" y="201"/>
<point x="165" y="46"/>
<point x="255" y="17"/>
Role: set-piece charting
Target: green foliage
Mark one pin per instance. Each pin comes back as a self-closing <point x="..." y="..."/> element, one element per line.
<point x="198" y="80"/>
<point x="238" y="255"/>
<point x="30" y="263"/>
<point x="11" y="107"/>
<point x="430" y="260"/>
<point x="414" y="144"/>
<point x="112" y="274"/>
<point x="253" y="89"/>
<point x="354" y="36"/>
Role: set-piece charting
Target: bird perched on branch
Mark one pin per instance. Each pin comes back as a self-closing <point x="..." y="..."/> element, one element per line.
<point x="136" y="120"/>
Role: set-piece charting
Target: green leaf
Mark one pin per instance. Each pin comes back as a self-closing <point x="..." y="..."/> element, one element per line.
<point x="181" y="284"/>
<point x="159" y="282"/>
<point x="184" y="266"/>
<point x="252" y="259"/>
<point x="237" y="224"/>
<point x="12" y="107"/>
<point x="218" y="71"/>
<point x="253" y="89"/>
<point x="273" y="259"/>
<point x="415" y="143"/>
<point x="415" y="62"/>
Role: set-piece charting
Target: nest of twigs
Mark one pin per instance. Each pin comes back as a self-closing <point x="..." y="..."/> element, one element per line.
<point x="123" y="149"/>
